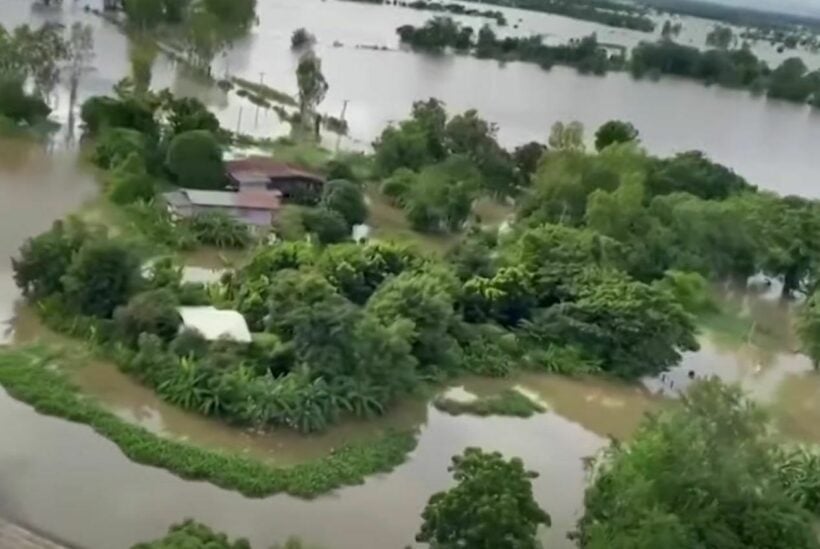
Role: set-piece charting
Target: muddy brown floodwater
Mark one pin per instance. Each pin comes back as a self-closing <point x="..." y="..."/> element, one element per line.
<point x="64" y="479"/>
<point x="36" y="187"/>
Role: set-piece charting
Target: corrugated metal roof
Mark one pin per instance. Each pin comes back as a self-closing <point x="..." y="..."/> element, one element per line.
<point x="260" y="200"/>
<point x="215" y="324"/>
<point x="224" y="199"/>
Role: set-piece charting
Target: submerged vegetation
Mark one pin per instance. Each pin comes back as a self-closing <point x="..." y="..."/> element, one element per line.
<point x="506" y="403"/>
<point x="28" y="376"/>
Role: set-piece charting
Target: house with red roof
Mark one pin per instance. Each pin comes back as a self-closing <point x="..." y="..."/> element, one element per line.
<point x="260" y="173"/>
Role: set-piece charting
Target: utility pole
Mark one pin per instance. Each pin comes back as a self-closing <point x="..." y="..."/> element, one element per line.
<point x="239" y="120"/>
<point x="256" y="116"/>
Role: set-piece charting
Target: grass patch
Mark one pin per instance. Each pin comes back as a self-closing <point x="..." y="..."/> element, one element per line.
<point x="28" y="376"/>
<point x="506" y="403"/>
<point x="265" y="92"/>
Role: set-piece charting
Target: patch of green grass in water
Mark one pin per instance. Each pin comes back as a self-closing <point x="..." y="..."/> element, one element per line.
<point x="506" y="403"/>
<point x="27" y="374"/>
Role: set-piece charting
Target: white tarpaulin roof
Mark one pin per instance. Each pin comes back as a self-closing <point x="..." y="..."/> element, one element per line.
<point x="215" y="323"/>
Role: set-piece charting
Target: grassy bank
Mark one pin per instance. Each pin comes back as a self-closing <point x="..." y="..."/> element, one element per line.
<point x="28" y="376"/>
<point x="506" y="403"/>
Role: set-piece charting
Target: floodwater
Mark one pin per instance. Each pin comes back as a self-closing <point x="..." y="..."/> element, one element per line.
<point x="36" y="187"/>
<point x="92" y="478"/>
<point x="771" y="143"/>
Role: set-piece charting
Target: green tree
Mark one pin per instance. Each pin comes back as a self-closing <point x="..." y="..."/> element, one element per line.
<point x="234" y="14"/>
<point x="329" y="226"/>
<point x="80" y="53"/>
<point x="195" y="160"/>
<point x="301" y="38"/>
<point x="808" y="328"/>
<point x="116" y="145"/>
<point x="790" y="81"/>
<point x="347" y="199"/>
<point x="632" y="328"/>
<point x="427" y="300"/>
<point x="569" y="137"/>
<point x="614" y="131"/>
<point x="192" y="535"/>
<point x="527" y="157"/>
<point x="720" y="37"/>
<point x="702" y="474"/>
<point x="312" y="87"/>
<point x="130" y="182"/>
<point x="151" y="312"/>
<point x="187" y="114"/>
<point x="19" y="106"/>
<point x="144" y="14"/>
<point x="491" y="507"/>
<point x="44" y="260"/>
<point x="103" y="275"/>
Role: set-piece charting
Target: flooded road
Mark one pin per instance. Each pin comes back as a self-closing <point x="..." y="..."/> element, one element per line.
<point x="733" y="127"/>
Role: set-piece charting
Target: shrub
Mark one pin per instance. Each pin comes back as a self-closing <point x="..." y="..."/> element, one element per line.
<point x="19" y="106"/>
<point x="102" y="112"/>
<point x="103" y="275"/>
<point x="301" y="38"/>
<point x="195" y="160"/>
<point x="328" y="226"/>
<point x="192" y="534"/>
<point x="130" y="183"/>
<point x="151" y="312"/>
<point x="116" y="145"/>
<point x="219" y="229"/>
<point x="347" y="199"/>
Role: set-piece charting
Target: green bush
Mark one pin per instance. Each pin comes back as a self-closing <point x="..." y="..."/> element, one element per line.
<point x="328" y="226"/>
<point x="195" y="160"/>
<point x="129" y="182"/>
<point x="116" y="145"/>
<point x="103" y="275"/>
<point x="18" y="106"/>
<point x="347" y="199"/>
<point x="219" y="229"/>
<point x="151" y="312"/>
<point x="193" y="535"/>
<point x="506" y="403"/>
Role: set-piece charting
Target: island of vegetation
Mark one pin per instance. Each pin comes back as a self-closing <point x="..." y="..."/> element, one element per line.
<point x="602" y="268"/>
<point x="721" y="65"/>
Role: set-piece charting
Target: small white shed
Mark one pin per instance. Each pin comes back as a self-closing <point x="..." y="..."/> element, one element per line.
<point x="215" y="324"/>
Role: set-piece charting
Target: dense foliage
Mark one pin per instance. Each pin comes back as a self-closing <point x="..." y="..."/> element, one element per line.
<point x="195" y="160"/>
<point x="190" y="534"/>
<point x="705" y="474"/>
<point x="808" y="327"/>
<point x="491" y="507"/>
<point x="441" y="33"/>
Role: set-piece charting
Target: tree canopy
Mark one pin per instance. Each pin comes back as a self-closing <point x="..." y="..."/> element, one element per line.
<point x="491" y="507"/>
<point x="195" y="160"/>
<point x="704" y="474"/>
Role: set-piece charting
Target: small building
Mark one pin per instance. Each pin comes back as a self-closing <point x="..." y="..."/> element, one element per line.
<point x="257" y="208"/>
<point x="258" y="172"/>
<point x="215" y="324"/>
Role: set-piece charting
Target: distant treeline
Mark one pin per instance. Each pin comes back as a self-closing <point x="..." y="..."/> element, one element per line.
<point x="441" y="33"/>
<point x="451" y="8"/>
<point x="735" y="15"/>
<point x="733" y="68"/>
<point x="604" y="12"/>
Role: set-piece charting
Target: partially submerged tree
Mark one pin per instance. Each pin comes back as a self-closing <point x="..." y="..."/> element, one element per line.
<point x="614" y="131"/>
<point x="80" y="54"/>
<point x="491" y="507"/>
<point x="312" y="89"/>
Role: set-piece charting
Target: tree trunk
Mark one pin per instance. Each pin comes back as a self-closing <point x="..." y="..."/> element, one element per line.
<point x="791" y="281"/>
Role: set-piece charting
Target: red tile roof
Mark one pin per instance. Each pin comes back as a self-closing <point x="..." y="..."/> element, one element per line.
<point x="269" y="167"/>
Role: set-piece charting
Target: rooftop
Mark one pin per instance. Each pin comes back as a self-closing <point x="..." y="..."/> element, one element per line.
<point x="215" y="324"/>
<point x="258" y="200"/>
<point x="270" y="168"/>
